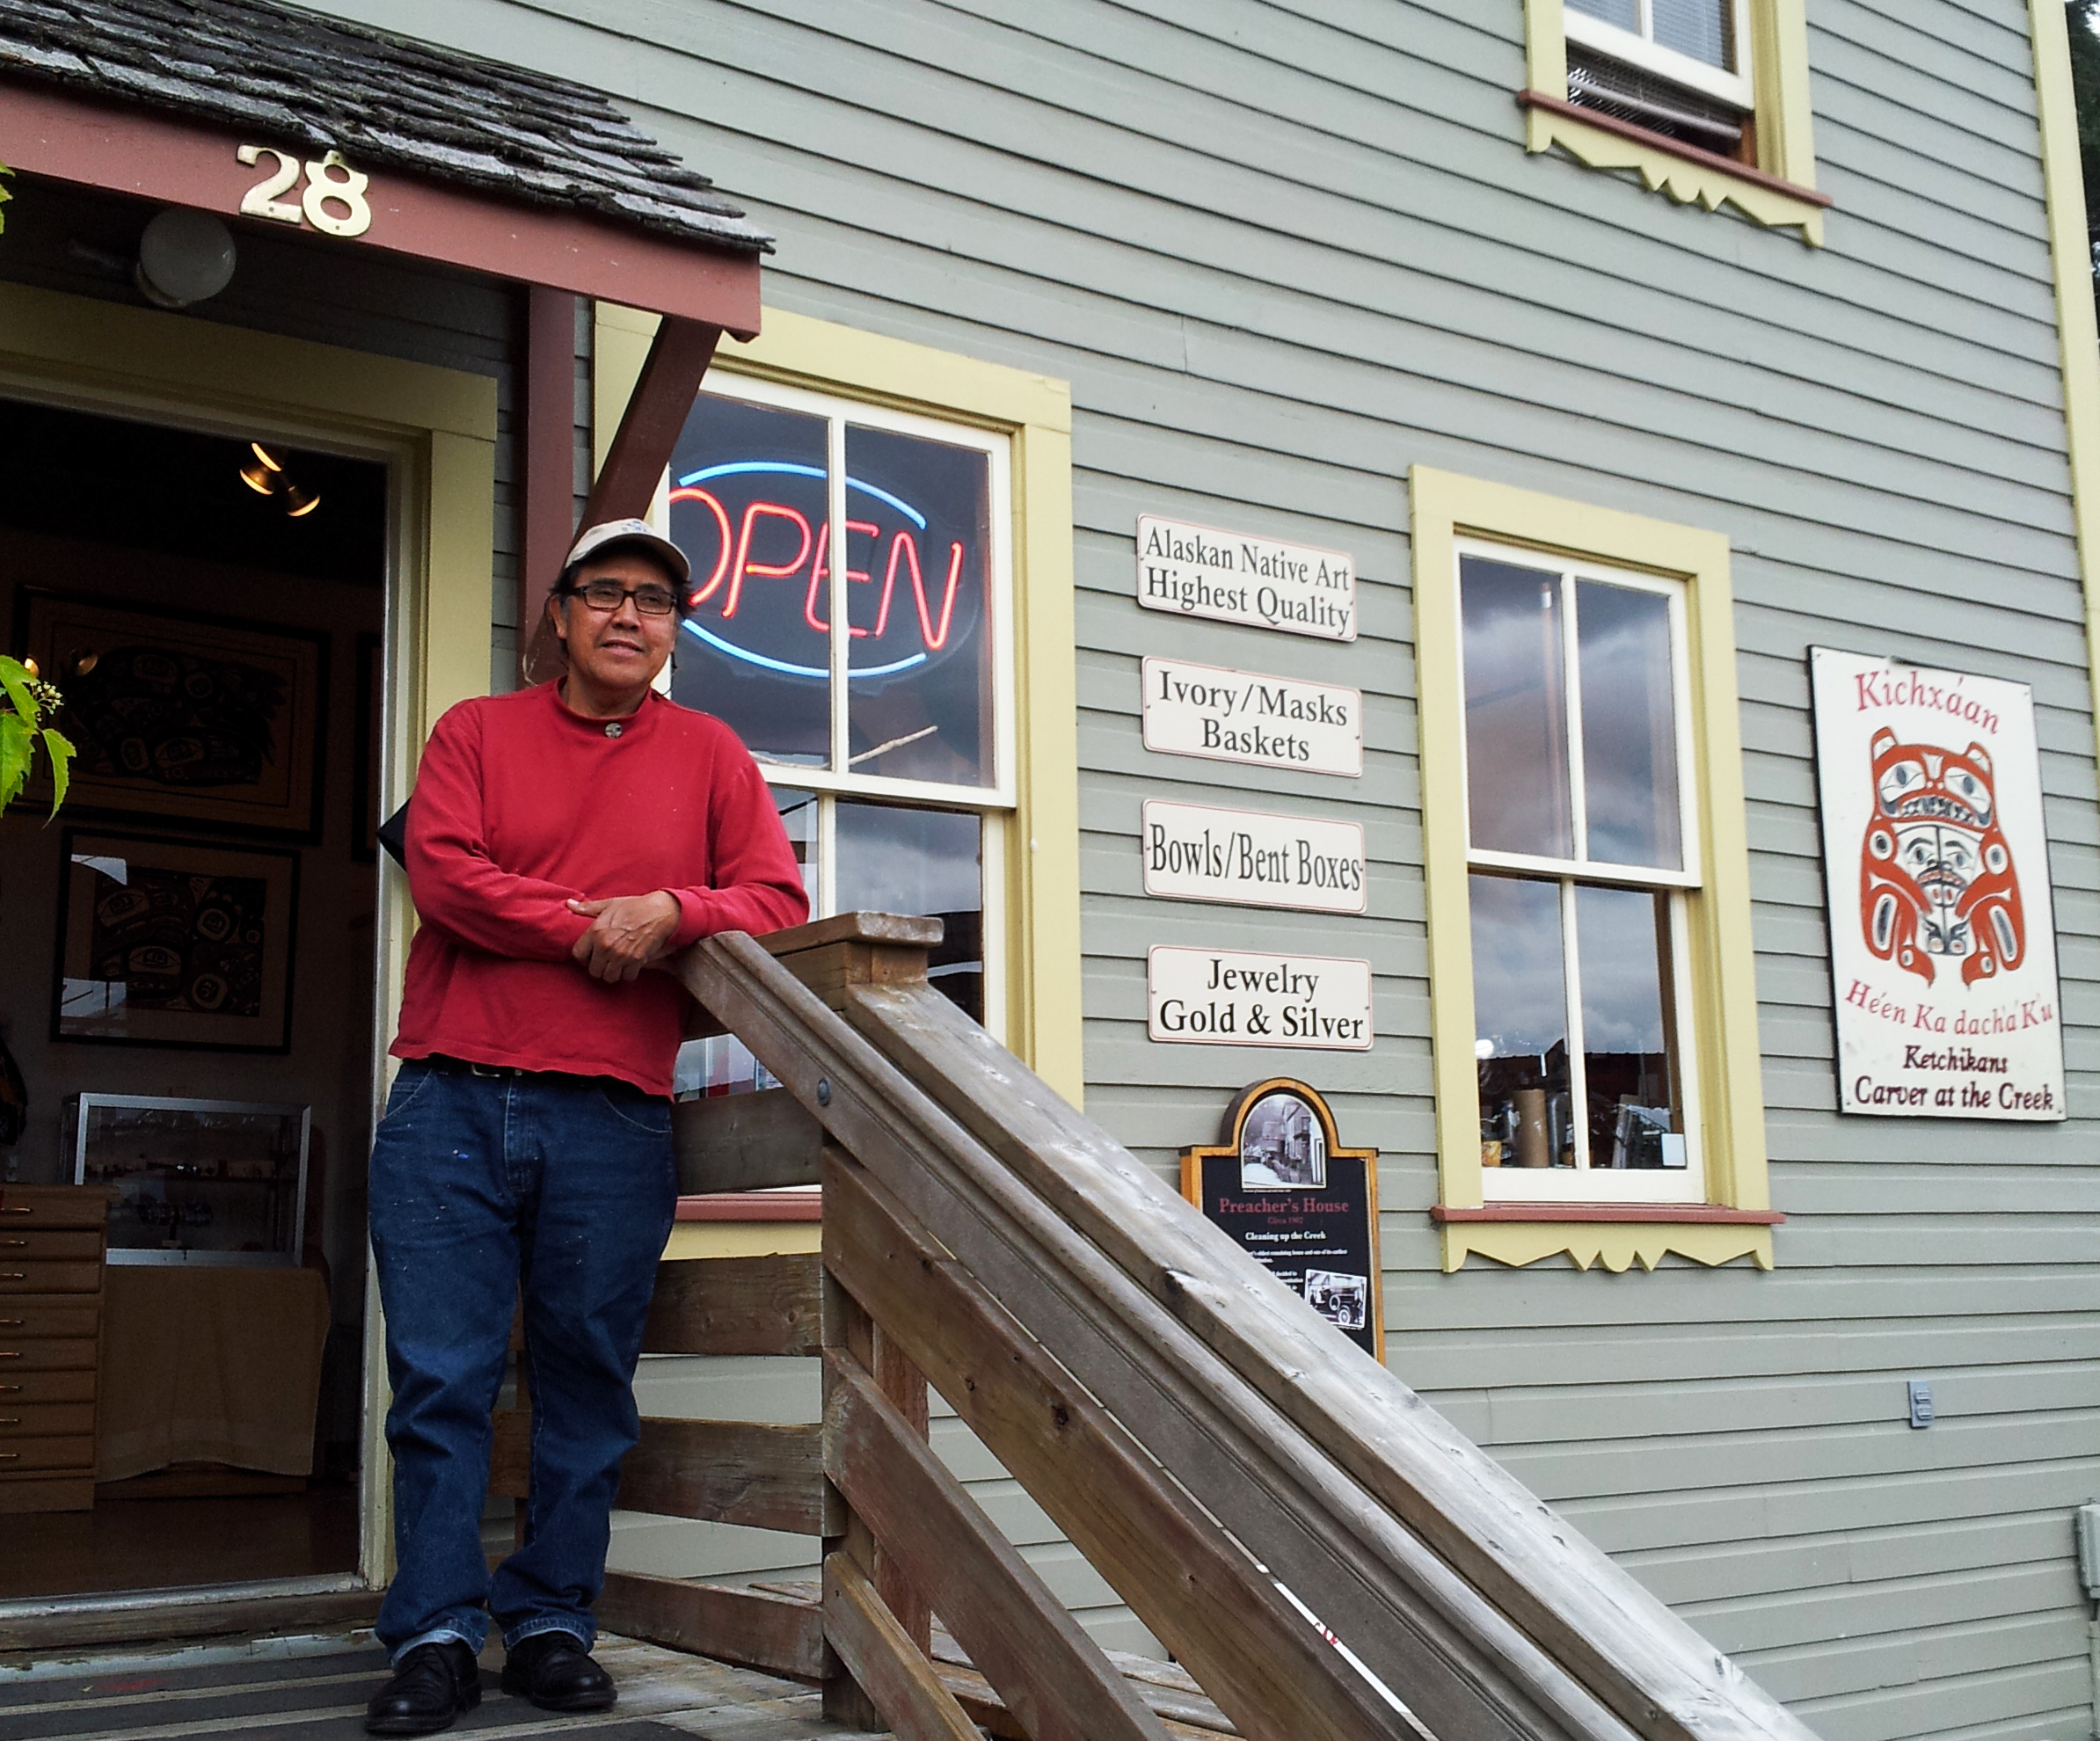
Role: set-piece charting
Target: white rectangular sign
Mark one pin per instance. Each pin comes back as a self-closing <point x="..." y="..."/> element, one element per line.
<point x="1234" y="577"/>
<point x="1943" y="934"/>
<point x="1239" y="715"/>
<point x="1192" y="852"/>
<point x="1232" y="997"/>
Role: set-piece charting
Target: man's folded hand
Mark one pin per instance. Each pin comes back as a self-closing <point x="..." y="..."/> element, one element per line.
<point x="626" y="934"/>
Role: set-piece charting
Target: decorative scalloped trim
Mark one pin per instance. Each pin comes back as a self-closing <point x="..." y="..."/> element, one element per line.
<point x="1661" y="173"/>
<point x="1615" y="1245"/>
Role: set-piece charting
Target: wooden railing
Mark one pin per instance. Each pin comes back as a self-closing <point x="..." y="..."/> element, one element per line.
<point x="1324" y="1553"/>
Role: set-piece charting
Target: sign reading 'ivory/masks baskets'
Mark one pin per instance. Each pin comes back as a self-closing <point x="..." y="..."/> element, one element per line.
<point x="1234" y="577"/>
<point x="1235" y="997"/>
<point x="1942" y="936"/>
<point x="1240" y="716"/>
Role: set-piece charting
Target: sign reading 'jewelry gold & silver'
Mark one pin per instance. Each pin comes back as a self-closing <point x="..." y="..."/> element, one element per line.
<point x="1236" y="997"/>
<point x="1240" y="716"/>
<point x="1234" y="577"/>
<point x="1194" y="852"/>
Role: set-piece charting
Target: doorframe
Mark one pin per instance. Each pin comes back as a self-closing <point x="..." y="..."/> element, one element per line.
<point x="434" y="429"/>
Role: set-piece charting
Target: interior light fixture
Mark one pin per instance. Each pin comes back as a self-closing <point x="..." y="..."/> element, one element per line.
<point x="265" y="475"/>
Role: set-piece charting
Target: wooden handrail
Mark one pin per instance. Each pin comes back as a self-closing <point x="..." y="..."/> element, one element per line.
<point x="1482" y="1610"/>
<point x="1462" y="1667"/>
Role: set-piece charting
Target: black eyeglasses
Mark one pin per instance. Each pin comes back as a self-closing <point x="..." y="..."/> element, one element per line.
<point x="611" y="595"/>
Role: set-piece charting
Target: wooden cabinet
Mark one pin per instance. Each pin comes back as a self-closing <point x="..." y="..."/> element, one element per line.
<point x="51" y="1239"/>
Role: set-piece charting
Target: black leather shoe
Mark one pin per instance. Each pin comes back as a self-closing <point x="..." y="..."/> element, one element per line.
<point x="433" y="1685"/>
<point x="555" y="1672"/>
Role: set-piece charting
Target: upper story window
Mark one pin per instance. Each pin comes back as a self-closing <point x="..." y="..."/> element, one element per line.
<point x="1706" y="100"/>
<point x="1580" y="855"/>
<point x="1677" y="67"/>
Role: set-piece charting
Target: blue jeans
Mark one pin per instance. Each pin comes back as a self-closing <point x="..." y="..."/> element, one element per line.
<point x="477" y="1182"/>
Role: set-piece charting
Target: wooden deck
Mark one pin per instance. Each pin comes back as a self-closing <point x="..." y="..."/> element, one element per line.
<point x="320" y="1697"/>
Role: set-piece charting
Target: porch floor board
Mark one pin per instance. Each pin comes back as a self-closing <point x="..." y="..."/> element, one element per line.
<point x="321" y="1698"/>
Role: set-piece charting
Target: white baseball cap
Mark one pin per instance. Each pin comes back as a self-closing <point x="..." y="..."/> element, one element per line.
<point x="597" y="539"/>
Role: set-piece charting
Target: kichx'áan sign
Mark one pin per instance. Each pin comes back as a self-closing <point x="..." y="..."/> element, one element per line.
<point x="1234" y="577"/>
<point x="1234" y="997"/>
<point x="1240" y="716"/>
<point x="1942" y="933"/>
<point x="1193" y="852"/>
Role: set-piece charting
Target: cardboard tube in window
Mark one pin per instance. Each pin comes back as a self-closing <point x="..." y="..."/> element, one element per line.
<point x="1533" y="1147"/>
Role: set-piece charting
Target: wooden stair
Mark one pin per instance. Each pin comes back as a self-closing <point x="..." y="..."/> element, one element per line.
<point x="1324" y="1555"/>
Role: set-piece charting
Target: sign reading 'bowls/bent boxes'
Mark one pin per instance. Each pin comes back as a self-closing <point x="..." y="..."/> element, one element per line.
<point x="1943" y="934"/>
<point x="1235" y="997"/>
<point x="1240" y="716"/>
<point x="1194" y="852"/>
<point x="1234" y="577"/>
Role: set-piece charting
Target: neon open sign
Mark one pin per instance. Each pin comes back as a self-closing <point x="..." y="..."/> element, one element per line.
<point x="760" y="543"/>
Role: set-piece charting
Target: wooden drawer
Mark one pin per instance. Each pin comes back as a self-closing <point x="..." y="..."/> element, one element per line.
<point x="22" y="1274"/>
<point x="51" y="1354"/>
<point x="27" y="1456"/>
<point x="41" y="1245"/>
<point x="53" y="1420"/>
<point x="26" y="1317"/>
<point x="34" y="1389"/>
<point x="43" y="1206"/>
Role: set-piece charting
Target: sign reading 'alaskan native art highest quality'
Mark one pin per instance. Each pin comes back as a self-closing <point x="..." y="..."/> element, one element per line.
<point x="1193" y="852"/>
<point x="1233" y="997"/>
<point x="1232" y="577"/>
<point x="1942" y="938"/>
<point x="1238" y="716"/>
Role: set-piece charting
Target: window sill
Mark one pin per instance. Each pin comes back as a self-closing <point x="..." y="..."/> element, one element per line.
<point x="1685" y="172"/>
<point x="793" y="1203"/>
<point x="1615" y="1234"/>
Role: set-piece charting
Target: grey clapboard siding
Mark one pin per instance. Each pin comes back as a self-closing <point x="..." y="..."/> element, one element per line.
<point x="1284" y="249"/>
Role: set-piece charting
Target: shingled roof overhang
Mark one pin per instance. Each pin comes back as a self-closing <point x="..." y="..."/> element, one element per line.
<point x="471" y="163"/>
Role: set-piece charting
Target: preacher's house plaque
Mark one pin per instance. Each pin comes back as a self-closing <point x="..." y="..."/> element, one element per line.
<point x="1235" y="577"/>
<point x="1237" y="997"/>
<point x="1302" y="1206"/>
<point x="1240" y="716"/>
<point x="1942" y="933"/>
<point x="1251" y="858"/>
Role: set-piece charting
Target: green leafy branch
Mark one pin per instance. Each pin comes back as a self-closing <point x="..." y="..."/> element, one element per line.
<point x="30" y="701"/>
<point x="4" y="197"/>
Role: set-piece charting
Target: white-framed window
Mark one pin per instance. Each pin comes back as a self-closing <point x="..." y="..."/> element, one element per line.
<point x="850" y="615"/>
<point x="1680" y="68"/>
<point x="1581" y="852"/>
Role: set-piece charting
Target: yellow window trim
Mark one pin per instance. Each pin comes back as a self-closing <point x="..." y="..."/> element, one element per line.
<point x="1042" y="895"/>
<point x="1443" y="507"/>
<point x="2062" y="176"/>
<point x="1785" y="129"/>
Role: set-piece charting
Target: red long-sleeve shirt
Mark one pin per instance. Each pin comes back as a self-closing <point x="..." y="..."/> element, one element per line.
<point x="521" y="805"/>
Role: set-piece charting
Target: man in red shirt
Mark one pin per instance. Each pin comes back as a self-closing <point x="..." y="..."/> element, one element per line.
<point x="561" y="840"/>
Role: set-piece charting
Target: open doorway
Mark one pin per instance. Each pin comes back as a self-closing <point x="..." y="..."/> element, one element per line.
<point x="187" y="970"/>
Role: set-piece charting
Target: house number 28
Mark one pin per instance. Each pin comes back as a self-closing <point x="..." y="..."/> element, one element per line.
<point x="332" y="201"/>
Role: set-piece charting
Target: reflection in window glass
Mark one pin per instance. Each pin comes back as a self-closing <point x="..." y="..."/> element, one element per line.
<point x="1629" y="727"/>
<point x="1622" y="956"/>
<point x="723" y="1064"/>
<point x="748" y="508"/>
<point x="1702" y="29"/>
<point x="1520" y="1014"/>
<point x="1624" y="13"/>
<point x="920" y="560"/>
<point x="893" y="860"/>
<point x="1516" y="710"/>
